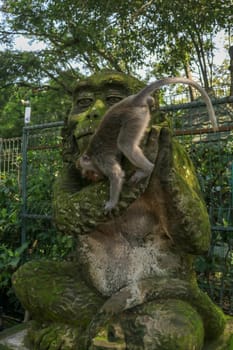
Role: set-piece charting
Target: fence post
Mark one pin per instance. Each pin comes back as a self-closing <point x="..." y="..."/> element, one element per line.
<point x="1" y="153"/>
<point x="24" y="184"/>
<point x="232" y="184"/>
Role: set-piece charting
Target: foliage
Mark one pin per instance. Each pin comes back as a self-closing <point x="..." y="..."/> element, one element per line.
<point x="86" y="36"/>
<point x="47" y="105"/>
<point x="42" y="239"/>
<point x="185" y="36"/>
<point x="10" y="205"/>
<point x="221" y="79"/>
<point x="13" y="66"/>
<point x="43" y="165"/>
<point x="28" y="69"/>
<point x="11" y="251"/>
<point x="9" y="261"/>
<point x="213" y="162"/>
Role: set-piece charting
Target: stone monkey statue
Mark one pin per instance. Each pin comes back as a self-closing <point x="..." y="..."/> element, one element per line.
<point x="132" y="283"/>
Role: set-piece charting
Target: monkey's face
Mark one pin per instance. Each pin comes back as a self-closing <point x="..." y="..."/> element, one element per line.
<point x="88" y="169"/>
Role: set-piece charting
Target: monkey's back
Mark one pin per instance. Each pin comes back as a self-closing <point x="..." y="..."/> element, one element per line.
<point x="125" y="117"/>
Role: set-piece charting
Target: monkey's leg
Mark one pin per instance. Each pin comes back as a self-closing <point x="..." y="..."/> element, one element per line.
<point x="137" y="158"/>
<point x="128" y="143"/>
<point x="116" y="177"/>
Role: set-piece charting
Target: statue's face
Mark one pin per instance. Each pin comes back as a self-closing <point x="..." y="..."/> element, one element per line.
<point x="88" y="109"/>
<point x="91" y="100"/>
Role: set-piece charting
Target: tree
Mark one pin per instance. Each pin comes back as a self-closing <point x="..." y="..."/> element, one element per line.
<point x="185" y="33"/>
<point x="163" y="37"/>
<point x="121" y="35"/>
<point x="48" y="105"/>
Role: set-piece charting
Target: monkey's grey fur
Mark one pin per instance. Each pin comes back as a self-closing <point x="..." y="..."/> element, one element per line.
<point x="121" y="131"/>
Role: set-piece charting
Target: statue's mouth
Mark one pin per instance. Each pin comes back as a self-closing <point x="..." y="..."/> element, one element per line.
<point x="85" y="127"/>
<point x="89" y="131"/>
<point x="82" y="134"/>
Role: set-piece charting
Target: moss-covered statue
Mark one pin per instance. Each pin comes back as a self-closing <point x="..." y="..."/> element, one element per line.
<point x="132" y="285"/>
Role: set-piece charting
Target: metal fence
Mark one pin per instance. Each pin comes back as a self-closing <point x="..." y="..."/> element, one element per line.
<point x="210" y="152"/>
<point x="41" y="161"/>
<point x="10" y="155"/>
<point x="170" y="97"/>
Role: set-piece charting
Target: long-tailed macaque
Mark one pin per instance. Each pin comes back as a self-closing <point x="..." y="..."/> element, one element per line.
<point x="121" y="131"/>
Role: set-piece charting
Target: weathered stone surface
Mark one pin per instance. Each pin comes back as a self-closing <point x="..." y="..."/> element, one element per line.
<point x="224" y="342"/>
<point x="132" y="285"/>
<point x="13" y="339"/>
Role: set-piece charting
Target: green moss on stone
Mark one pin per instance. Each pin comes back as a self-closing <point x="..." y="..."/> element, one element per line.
<point x="79" y="212"/>
<point x="190" y="206"/>
<point x="225" y="341"/>
<point x="111" y="77"/>
<point x="213" y="317"/>
<point x="4" y="347"/>
<point x="164" y="325"/>
<point x="184" y="166"/>
<point x="57" y="294"/>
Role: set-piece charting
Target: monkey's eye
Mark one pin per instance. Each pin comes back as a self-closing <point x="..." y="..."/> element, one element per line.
<point x="112" y="99"/>
<point x="84" y="103"/>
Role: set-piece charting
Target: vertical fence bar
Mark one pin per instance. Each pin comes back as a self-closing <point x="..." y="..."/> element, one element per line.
<point x="1" y="156"/>
<point x="232" y="184"/>
<point x="24" y="184"/>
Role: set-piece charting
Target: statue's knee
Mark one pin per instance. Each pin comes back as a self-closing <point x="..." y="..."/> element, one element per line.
<point x="170" y="324"/>
<point x="20" y="277"/>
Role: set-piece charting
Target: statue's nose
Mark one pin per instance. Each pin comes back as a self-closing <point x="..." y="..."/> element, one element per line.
<point x="96" y="111"/>
<point x="94" y="114"/>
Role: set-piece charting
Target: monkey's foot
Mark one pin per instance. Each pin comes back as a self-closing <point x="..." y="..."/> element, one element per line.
<point x="109" y="206"/>
<point x="53" y="337"/>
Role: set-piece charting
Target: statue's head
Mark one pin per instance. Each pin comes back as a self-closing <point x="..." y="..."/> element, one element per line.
<point x="92" y="97"/>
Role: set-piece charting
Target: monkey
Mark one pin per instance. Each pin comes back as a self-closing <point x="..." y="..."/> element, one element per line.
<point x="120" y="132"/>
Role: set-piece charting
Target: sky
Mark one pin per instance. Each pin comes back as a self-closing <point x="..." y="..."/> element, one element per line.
<point x="22" y="43"/>
<point x="221" y="53"/>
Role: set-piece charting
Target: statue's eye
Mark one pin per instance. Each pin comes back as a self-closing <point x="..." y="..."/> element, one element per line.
<point x="84" y="103"/>
<point x="112" y="99"/>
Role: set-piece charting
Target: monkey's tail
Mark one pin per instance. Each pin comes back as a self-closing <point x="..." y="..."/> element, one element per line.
<point x="167" y="81"/>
